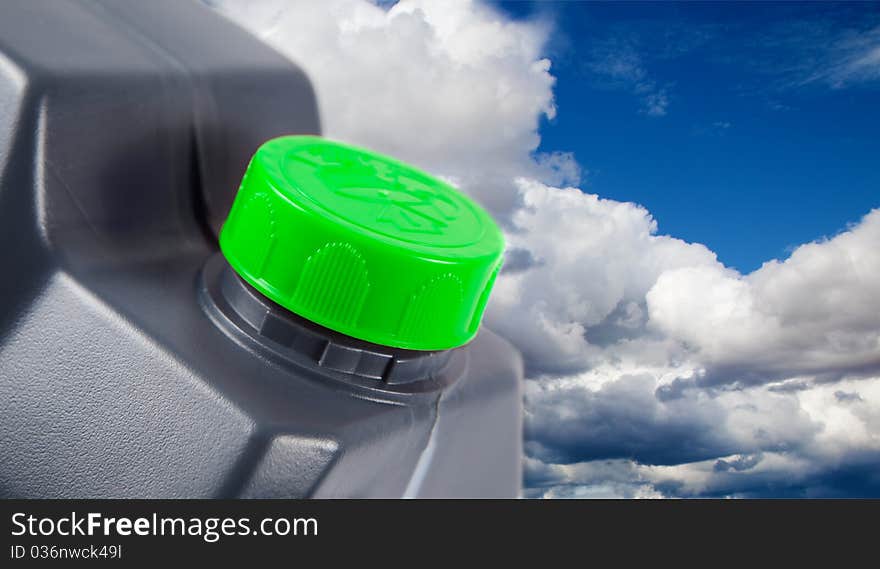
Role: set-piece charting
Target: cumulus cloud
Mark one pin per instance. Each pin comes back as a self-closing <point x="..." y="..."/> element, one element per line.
<point x="595" y="261"/>
<point x="449" y="86"/>
<point x="788" y="444"/>
<point x="653" y="369"/>
<point x="815" y="313"/>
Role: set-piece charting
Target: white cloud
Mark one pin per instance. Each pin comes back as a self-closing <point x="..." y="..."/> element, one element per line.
<point x="450" y="86"/>
<point x="596" y="260"/>
<point x="654" y="370"/>
<point x="817" y="312"/>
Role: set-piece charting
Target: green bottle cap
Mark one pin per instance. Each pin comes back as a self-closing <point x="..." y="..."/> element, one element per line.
<point x="362" y="244"/>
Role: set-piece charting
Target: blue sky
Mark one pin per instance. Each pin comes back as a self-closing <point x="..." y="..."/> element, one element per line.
<point x="750" y="128"/>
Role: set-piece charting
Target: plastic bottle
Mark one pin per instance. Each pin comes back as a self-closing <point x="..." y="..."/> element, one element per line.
<point x="320" y="344"/>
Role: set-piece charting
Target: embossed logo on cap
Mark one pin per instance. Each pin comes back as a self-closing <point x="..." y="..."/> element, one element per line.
<point x="398" y="201"/>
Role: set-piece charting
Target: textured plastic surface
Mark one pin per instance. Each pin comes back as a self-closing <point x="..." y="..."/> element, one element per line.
<point x="125" y="127"/>
<point x="362" y="244"/>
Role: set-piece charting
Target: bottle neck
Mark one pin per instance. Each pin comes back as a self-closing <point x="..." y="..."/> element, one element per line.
<point x="301" y="340"/>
